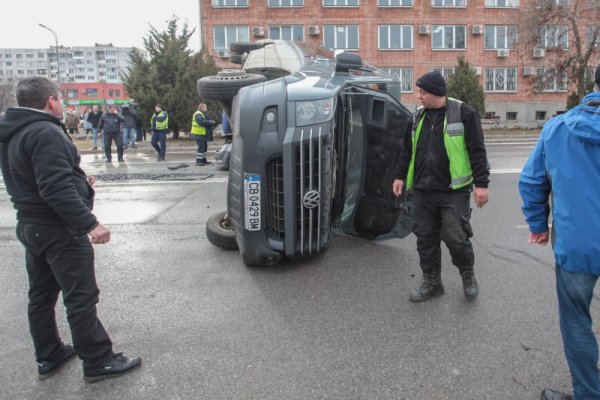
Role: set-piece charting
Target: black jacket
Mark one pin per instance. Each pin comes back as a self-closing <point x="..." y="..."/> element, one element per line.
<point x="432" y="167"/>
<point x="94" y="118"/>
<point x="41" y="171"/>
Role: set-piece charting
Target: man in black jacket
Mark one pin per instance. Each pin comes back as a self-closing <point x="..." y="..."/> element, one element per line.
<point x="443" y="159"/>
<point x="55" y="223"/>
<point x="94" y="118"/>
<point x="111" y="124"/>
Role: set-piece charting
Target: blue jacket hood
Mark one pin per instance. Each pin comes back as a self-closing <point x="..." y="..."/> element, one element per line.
<point x="583" y="121"/>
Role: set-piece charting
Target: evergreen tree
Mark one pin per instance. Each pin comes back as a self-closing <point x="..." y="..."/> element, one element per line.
<point x="168" y="76"/>
<point x="463" y="85"/>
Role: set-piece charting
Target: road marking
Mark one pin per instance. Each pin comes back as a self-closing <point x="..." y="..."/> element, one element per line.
<point x="506" y="171"/>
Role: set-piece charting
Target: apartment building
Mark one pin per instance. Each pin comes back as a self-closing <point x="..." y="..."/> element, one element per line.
<point x="407" y="38"/>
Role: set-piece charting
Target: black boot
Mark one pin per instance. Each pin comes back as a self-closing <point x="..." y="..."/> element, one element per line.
<point x="549" y="394"/>
<point x="117" y="366"/>
<point x="431" y="286"/>
<point x="470" y="286"/>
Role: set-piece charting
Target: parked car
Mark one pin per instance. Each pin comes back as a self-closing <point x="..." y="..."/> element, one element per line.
<point x="316" y="137"/>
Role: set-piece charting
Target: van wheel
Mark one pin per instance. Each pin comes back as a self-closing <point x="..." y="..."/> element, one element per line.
<point x="226" y="84"/>
<point x="244" y="47"/>
<point x="219" y="231"/>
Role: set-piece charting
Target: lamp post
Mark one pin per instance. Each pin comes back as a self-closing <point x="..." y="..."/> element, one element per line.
<point x="57" y="56"/>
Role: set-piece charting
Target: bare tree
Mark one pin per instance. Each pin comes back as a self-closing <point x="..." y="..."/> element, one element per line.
<point x="8" y="94"/>
<point x="566" y="33"/>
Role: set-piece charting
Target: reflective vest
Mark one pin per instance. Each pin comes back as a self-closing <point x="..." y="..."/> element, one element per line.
<point x="160" y="125"/>
<point x="198" y="129"/>
<point x="461" y="173"/>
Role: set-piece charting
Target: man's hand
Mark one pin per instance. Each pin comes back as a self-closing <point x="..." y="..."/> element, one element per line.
<point x="91" y="180"/>
<point x="481" y="196"/>
<point x="538" y="238"/>
<point x="397" y="187"/>
<point x="99" y="235"/>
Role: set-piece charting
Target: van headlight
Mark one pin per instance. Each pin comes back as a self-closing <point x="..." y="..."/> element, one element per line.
<point x="314" y="111"/>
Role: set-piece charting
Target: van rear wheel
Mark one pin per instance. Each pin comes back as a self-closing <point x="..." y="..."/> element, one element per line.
<point x="226" y="84"/>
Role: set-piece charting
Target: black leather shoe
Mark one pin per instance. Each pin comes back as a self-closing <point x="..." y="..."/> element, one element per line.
<point x="117" y="366"/>
<point x="48" y="368"/>
<point x="121" y="159"/>
<point x="549" y="394"/>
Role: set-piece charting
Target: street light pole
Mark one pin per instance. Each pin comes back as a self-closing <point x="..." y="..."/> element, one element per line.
<point x="57" y="55"/>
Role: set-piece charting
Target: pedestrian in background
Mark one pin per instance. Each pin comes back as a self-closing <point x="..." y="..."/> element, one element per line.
<point x="71" y="122"/>
<point x="443" y="159"/>
<point x="111" y="123"/>
<point x="565" y="165"/>
<point x="129" y="126"/>
<point x="87" y="125"/>
<point x="202" y="133"/>
<point x="94" y="118"/>
<point x="159" y="124"/>
<point x="54" y="200"/>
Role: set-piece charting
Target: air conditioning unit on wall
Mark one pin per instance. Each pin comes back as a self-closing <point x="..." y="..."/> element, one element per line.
<point x="314" y="30"/>
<point x="258" y="31"/>
<point x="477" y="70"/>
<point x="477" y="29"/>
<point x="503" y="53"/>
<point x="539" y="53"/>
<point x="424" y="29"/>
<point x="223" y="53"/>
<point x="528" y="71"/>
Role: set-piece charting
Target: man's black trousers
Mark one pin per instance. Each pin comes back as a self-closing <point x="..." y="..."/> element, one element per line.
<point x="443" y="215"/>
<point x="57" y="260"/>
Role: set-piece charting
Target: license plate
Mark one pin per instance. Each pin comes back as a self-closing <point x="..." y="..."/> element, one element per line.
<point x="252" y="202"/>
<point x="219" y="161"/>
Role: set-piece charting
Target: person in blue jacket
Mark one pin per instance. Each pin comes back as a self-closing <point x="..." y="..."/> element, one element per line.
<point x="565" y="165"/>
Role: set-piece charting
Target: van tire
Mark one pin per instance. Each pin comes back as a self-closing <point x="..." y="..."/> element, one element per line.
<point x="226" y="84"/>
<point x="236" y="58"/>
<point x="220" y="232"/>
<point x="244" y="47"/>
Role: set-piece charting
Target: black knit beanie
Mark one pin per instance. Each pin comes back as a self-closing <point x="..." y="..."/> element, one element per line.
<point x="433" y="82"/>
<point x="597" y="76"/>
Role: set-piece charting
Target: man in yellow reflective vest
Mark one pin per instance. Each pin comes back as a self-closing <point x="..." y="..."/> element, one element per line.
<point x="202" y="133"/>
<point x="159" y="124"/>
<point x="444" y="160"/>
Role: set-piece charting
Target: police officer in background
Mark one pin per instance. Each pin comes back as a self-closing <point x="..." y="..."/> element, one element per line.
<point x="202" y="133"/>
<point x="444" y="158"/>
<point x="159" y="124"/>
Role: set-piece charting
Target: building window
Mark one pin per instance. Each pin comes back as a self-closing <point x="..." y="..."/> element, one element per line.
<point x="340" y="3"/>
<point x="394" y="3"/>
<point x="230" y="3"/>
<point x="29" y="55"/>
<point x="110" y="53"/>
<point x="286" y="32"/>
<point x="81" y="77"/>
<point x="500" y="79"/>
<point x="405" y="75"/>
<point x="77" y="53"/>
<point x="553" y="36"/>
<point x="41" y="55"/>
<point x="71" y="93"/>
<point x="589" y="37"/>
<point x="117" y="92"/>
<point x="91" y="92"/>
<point x="91" y="78"/>
<point x="8" y="63"/>
<point x="511" y="115"/>
<point x="449" y="37"/>
<point x="448" y="3"/>
<point x="540" y="115"/>
<point x="19" y="55"/>
<point x="548" y="80"/>
<point x="42" y="71"/>
<point x="286" y="3"/>
<point x="395" y="37"/>
<point x="20" y="72"/>
<point x="499" y="36"/>
<point x="223" y="35"/>
<point x="110" y="93"/>
<point x="446" y="72"/>
<point x="8" y="55"/>
<point x="31" y="72"/>
<point x="340" y="37"/>
<point x="502" y="3"/>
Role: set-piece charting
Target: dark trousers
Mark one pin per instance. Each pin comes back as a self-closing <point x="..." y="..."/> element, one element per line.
<point x="57" y="261"/>
<point x="443" y="216"/>
<point x="108" y="139"/>
<point x="160" y="137"/>
<point x="202" y="148"/>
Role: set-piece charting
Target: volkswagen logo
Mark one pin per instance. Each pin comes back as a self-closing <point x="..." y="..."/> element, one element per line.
<point x="311" y="199"/>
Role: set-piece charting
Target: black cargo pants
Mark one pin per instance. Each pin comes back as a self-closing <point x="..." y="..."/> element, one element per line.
<point x="57" y="260"/>
<point x="443" y="215"/>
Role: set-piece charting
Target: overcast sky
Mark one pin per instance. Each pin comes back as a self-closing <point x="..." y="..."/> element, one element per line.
<point x="77" y="23"/>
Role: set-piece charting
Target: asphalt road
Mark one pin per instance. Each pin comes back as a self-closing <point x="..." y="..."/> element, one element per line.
<point x="338" y="326"/>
